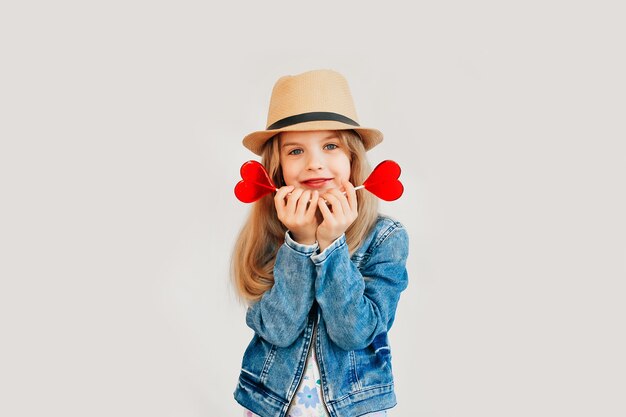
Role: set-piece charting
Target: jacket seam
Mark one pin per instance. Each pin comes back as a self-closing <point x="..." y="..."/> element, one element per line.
<point x="368" y="388"/>
<point x="260" y="388"/>
<point x="394" y="226"/>
<point x="299" y="252"/>
<point x="330" y="252"/>
<point x="355" y="375"/>
<point x="381" y="237"/>
<point x="268" y="362"/>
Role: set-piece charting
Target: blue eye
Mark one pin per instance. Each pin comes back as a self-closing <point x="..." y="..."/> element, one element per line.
<point x="331" y="146"/>
<point x="295" y="152"/>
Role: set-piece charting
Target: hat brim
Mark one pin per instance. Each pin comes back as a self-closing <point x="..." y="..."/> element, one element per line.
<point x="255" y="141"/>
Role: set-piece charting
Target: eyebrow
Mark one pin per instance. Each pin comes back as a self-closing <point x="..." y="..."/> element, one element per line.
<point x="331" y="136"/>
<point x="284" y="145"/>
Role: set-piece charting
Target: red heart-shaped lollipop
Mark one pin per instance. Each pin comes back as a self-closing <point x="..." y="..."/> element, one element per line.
<point x="255" y="182"/>
<point x="383" y="181"/>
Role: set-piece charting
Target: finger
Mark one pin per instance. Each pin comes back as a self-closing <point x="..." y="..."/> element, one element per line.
<point x="343" y="201"/>
<point x="321" y="203"/>
<point x="341" y="196"/>
<point x="310" y="212"/>
<point x="351" y="196"/>
<point x="279" y="198"/>
<point x="282" y="192"/>
<point x="292" y="199"/>
<point x="332" y="199"/>
<point x="302" y="203"/>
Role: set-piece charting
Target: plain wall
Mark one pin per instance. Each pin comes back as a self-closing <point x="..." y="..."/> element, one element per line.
<point x="121" y="127"/>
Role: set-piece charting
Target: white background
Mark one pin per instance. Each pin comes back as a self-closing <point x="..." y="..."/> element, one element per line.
<point x="121" y="126"/>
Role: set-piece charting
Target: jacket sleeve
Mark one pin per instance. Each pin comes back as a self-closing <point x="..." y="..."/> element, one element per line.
<point x="357" y="306"/>
<point x="280" y="315"/>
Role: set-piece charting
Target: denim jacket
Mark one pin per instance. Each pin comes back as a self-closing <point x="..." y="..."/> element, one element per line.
<point x="351" y="300"/>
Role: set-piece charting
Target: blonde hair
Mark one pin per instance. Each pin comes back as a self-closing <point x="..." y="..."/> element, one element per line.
<point x="252" y="262"/>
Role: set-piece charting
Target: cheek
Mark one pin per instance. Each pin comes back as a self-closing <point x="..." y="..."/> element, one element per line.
<point x="345" y="169"/>
<point x="289" y="174"/>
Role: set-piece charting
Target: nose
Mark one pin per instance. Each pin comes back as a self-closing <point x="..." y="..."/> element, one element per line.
<point x="314" y="161"/>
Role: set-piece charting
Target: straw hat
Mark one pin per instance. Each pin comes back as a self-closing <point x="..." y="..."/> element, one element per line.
<point x="314" y="100"/>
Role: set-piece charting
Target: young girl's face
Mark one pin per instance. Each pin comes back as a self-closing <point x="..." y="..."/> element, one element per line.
<point x="314" y="160"/>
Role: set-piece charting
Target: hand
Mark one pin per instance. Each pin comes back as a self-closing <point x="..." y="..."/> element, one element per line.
<point x="337" y="218"/>
<point x="293" y="212"/>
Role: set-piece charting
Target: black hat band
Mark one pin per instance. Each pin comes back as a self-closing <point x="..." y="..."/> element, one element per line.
<point x="311" y="117"/>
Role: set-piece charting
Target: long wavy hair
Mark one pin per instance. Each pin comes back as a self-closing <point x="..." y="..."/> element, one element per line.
<point x="252" y="262"/>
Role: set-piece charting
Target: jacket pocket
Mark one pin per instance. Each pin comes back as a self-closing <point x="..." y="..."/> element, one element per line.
<point x="373" y="364"/>
<point x="258" y="359"/>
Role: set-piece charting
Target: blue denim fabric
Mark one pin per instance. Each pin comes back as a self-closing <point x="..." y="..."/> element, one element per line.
<point x="351" y="300"/>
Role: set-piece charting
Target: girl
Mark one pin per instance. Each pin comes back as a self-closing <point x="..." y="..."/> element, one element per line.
<point x="321" y="270"/>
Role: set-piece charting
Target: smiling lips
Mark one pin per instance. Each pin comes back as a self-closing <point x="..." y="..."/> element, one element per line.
<point x="316" y="182"/>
